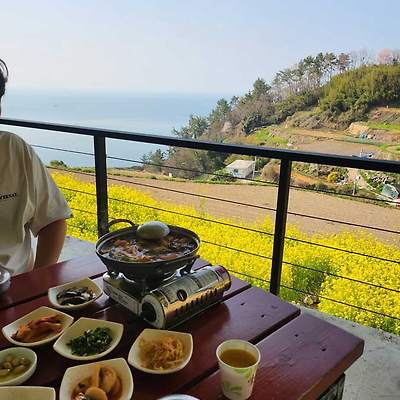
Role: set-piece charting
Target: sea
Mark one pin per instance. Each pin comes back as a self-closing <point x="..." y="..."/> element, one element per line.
<point x="132" y="112"/>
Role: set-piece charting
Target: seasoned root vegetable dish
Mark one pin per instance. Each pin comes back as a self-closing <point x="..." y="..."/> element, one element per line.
<point x="134" y="249"/>
<point x="161" y="354"/>
<point x="103" y="384"/>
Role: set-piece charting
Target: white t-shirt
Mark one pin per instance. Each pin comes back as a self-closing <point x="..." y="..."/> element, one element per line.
<point x="29" y="201"/>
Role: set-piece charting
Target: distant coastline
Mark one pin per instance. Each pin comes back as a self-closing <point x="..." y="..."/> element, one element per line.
<point x="147" y="113"/>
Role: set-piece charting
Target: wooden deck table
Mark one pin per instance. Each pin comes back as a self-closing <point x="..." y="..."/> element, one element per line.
<point x="301" y="356"/>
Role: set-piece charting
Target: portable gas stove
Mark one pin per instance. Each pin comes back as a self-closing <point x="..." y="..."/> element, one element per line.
<point x="164" y="292"/>
<point x="172" y="300"/>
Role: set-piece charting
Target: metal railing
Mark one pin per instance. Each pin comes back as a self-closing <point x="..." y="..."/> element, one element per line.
<point x="286" y="157"/>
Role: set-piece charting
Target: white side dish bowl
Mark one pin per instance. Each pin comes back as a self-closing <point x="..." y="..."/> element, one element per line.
<point x="74" y="375"/>
<point x="18" y="352"/>
<point x="78" y="328"/>
<point x="156" y="335"/>
<point x="86" y="282"/>
<point x="27" y="393"/>
<point x="10" y="329"/>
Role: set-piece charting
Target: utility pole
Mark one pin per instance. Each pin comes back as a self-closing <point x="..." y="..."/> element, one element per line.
<point x="254" y="167"/>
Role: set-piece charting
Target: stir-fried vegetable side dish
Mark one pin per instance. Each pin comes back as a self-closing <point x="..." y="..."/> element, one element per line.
<point x="161" y="354"/>
<point x="11" y="367"/>
<point x="38" y="329"/>
<point x="134" y="249"/>
<point x="103" y="384"/>
<point x="91" y="342"/>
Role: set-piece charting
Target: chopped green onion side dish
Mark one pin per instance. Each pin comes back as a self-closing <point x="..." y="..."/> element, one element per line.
<point x="91" y="342"/>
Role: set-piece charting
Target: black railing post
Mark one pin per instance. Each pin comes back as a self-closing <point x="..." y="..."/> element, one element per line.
<point x="100" y="162"/>
<point x="280" y="225"/>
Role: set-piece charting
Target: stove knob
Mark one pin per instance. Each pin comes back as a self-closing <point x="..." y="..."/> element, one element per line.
<point x="148" y="312"/>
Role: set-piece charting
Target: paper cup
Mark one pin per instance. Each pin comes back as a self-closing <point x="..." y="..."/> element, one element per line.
<point x="237" y="383"/>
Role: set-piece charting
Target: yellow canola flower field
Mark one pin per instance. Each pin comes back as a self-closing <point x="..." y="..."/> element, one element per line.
<point x="315" y="272"/>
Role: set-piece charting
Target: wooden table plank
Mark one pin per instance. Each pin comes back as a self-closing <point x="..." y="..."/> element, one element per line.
<point x="250" y="315"/>
<point x="33" y="284"/>
<point x="10" y="314"/>
<point x="300" y="361"/>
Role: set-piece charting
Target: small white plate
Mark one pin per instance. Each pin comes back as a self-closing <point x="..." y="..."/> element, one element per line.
<point x="156" y="334"/>
<point x="19" y="352"/>
<point x="78" y="328"/>
<point x="27" y="393"/>
<point x="74" y="375"/>
<point x="10" y="329"/>
<point x="86" y="282"/>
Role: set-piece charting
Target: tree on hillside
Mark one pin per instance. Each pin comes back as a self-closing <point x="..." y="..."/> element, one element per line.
<point x="60" y="164"/>
<point x="196" y="127"/>
<point x="233" y="101"/>
<point x="343" y="62"/>
<point x="193" y="163"/>
<point x="330" y="63"/>
<point x="153" y="161"/>
<point x="260" y="89"/>
<point x="219" y="114"/>
<point x="355" y="91"/>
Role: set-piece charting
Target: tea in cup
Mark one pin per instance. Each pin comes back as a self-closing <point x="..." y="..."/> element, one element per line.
<point x="238" y="361"/>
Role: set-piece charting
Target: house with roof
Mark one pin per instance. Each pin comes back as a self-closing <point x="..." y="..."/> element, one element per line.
<point x="391" y="193"/>
<point x="241" y="168"/>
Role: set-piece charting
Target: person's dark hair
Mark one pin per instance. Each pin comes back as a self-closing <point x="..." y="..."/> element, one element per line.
<point x="3" y="77"/>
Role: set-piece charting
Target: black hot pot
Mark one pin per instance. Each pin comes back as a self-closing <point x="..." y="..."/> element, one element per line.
<point x="146" y="271"/>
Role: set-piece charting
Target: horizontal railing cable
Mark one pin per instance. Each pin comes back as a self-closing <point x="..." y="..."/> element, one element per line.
<point x="254" y="205"/>
<point x="83" y="211"/>
<point x="241" y="227"/>
<point x="238" y="250"/>
<point x="175" y="212"/>
<point x="266" y="183"/>
<point x="64" y="150"/>
<point x="342" y="250"/>
<point x="287" y="263"/>
<point x="214" y="174"/>
<point x="231" y="201"/>
<point x="342" y="277"/>
<point x="250" y="150"/>
<point x="353" y="196"/>
<point x="239" y="203"/>
<point x="196" y="171"/>
<point x="247" y="275"/>
<point x="344" y="222"/>
<point x="319" y="296"/>
<point x="313" y="294"/>
<point x="80" y="228"/>
<point x="340" y="302"/>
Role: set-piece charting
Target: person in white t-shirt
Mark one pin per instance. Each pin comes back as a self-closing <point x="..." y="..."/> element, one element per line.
<point x="30" y="202"/>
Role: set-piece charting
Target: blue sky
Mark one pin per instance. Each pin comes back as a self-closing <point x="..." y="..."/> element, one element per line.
<point x="183" y="46"/>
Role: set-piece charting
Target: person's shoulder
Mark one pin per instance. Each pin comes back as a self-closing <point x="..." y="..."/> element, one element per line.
<point x="13" y="144"/>
<point x="11" y="139"/>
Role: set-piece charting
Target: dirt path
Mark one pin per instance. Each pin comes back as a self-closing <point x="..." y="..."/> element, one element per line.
<point x="259" y="197"/>
<point x="338" y="147"/>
